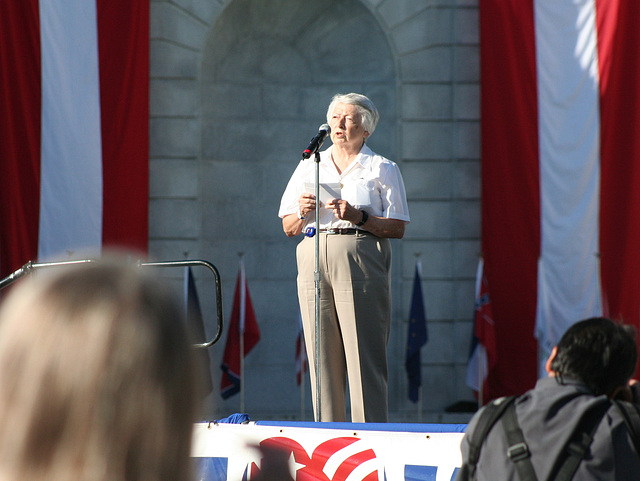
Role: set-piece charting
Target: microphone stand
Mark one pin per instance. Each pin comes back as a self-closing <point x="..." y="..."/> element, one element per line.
<point x="314" y="147"/>
<point x="316" y="278"/>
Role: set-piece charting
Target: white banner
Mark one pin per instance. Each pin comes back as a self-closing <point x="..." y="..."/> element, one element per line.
<point x="230" y="452"/>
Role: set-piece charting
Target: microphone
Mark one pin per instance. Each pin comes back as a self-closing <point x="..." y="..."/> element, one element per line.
<point x="317" y="141"/>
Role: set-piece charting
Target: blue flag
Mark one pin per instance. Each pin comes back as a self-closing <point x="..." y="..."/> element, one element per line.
<point x="417" y="337"/>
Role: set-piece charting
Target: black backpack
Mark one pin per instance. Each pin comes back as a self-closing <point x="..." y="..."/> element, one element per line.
<point x="518" y="451"/>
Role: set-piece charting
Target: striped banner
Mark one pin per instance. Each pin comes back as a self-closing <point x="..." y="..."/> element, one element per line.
<point x="561" y="172"/>
<point x="73" y="128"/>
<point x="326" y="451"/>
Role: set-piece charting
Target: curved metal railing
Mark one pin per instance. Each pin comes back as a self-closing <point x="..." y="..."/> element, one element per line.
<point x="32" y="266"/>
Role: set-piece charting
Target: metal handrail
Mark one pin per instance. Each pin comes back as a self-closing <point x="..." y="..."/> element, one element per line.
<point x="216" y="275"/>
<point x="30" y="266"/>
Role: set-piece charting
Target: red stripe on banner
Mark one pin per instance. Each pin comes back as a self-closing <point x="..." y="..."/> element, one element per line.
<point x="123" y="40"/>
<point x="510" y="187"/>
<point x="19" y="133"/>
<point x="618" y="40"/>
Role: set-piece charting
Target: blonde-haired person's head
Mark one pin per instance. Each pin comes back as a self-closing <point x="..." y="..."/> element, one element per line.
<point x="97" y="380"/>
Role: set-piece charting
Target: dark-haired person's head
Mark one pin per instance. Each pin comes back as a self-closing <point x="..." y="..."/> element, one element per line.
<point x="598" y="352"/>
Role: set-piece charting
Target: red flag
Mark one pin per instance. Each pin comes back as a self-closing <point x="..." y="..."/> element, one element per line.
<point x="483" y="358"/>
<point x="301" y="353"/>
<point x="243" y="329"/>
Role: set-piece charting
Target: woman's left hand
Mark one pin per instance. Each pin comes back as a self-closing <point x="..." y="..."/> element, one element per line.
<point x="344" y="211"/>
<point x="381" y="227"/>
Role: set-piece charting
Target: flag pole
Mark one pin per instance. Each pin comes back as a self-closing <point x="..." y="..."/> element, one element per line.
<point x="481" y="368"/>
<point x="241" y="327"/>
<point x="419" y="403"/>
<point x="302" y="386"/>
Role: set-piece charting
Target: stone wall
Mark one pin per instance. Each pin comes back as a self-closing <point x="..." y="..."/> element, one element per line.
<point x="239" y="87"/>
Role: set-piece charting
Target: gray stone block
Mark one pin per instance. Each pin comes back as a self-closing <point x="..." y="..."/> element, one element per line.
<point x="172" y="61"/>
<point x="174" y="219"/>
<point x="466" y="64"/>
<point x="427" y="102"/>
<point x="173" y="178"/>
<point x="439" y="386"/>
<point x="466" y="101"/>
<point x="231" y="100"/>
<point x="395" y="12"/>
<point x="430" y="220"/>
<point x="465" y="298"/>
<point x="203" y="10"/>
<point x="432" y="27"/>
<point x="173" y="97"/>
<point x="463" y="330"/>
<point x="427" y="140"/>
<point x="428" y="180"/>
<point x="465" y="258"/>
<point x="467" y="219"/>
<point x="433" y="64"/>
<point x="173" y="24"/>
<point x="466" y="26"/>
<point x="441" y="348"/>
<point x="467" y="140"/>
<point x="466" y="179"/>
<point x="436" y="258"/>
<point x="174" y="249"/>
<point x="438" y="298"/>
<point x="173" y="137"/>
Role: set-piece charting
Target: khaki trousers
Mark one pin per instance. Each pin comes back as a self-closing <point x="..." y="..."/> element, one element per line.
<point x="355" y="314"/>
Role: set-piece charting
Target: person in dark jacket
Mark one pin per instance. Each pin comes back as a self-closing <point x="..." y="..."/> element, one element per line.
<point x="591" y="366"/>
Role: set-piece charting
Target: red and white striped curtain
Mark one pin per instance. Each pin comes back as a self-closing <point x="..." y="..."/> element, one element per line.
<point x="74" y="120"/>
<point x="560" y="171"/>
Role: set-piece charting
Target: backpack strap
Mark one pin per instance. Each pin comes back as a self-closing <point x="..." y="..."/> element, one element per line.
<point x="487" y="419"/>
<point x="518" y="451"/>
<point x="580" y="442"/>
<point x="574" y="451"/>
<point x="631" y="418"/>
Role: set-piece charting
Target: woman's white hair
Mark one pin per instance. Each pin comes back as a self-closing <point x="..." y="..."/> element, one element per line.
<point x="365" y="107"/>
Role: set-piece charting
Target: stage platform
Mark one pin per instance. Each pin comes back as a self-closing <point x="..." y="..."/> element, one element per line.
<point x="329" y="451"/>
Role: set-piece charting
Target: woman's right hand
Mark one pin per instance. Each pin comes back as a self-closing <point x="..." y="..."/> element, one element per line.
<point x="292" y="224"/>
<point x="307" y="204"/>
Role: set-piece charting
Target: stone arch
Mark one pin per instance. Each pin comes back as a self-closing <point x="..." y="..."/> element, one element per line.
<point x="270" y="68"/>
<point x="267" y="74"/>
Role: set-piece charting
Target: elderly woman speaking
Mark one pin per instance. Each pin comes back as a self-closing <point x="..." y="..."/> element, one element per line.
<point x="365" y="206"/>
